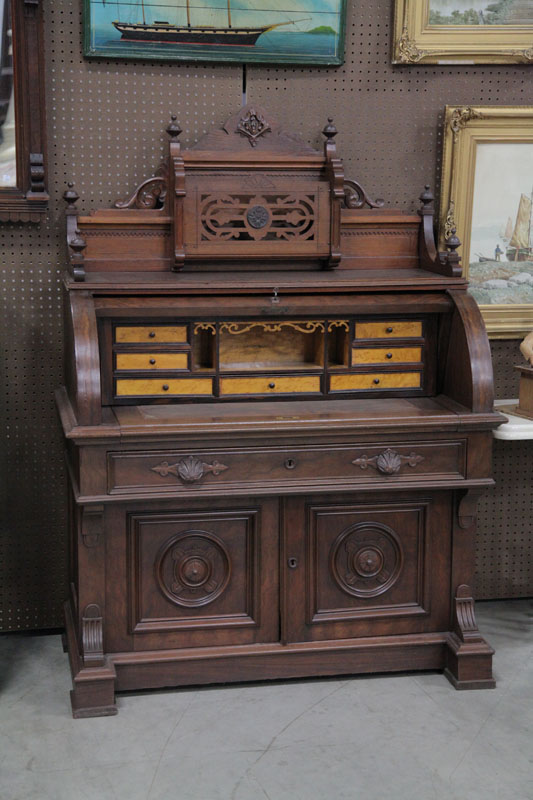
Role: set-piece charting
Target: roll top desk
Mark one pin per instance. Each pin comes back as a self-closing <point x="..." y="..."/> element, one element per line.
<point x="277" y="414"/>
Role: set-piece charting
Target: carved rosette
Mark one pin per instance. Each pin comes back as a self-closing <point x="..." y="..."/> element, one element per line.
<point x="190" y="469"/>
<point x="366" y="559"/>
<point x="389" y="462"/>
<point x="193" y="568"/>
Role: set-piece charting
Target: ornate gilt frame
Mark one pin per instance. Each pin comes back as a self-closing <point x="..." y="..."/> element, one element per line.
<point x="416" y="41"/>
<point x="464" y="128"/>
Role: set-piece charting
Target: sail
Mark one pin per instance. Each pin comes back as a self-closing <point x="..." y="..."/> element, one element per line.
<point x="509" y="229"/>
<point x="520" y="237"/>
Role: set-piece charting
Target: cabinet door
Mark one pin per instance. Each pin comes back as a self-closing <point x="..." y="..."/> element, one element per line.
<point x="203" y="577"/>
<point x="366" y="568"/>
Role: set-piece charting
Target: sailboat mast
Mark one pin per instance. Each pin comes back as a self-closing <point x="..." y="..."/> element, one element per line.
<point x="529" y="231"/>
<point x="144" y="15"/>
<point x="188" y="15"/>
<point x="229" y="15"/>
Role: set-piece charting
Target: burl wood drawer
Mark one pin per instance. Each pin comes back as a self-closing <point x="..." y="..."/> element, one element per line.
<point x="386" y="355"/>
<point x="273" y="384"/>
<point x="374" y="380"/>
<point x="386" y="329"/>
<point x="152" y="361"/>
<point x="162" y="387"/>
<point x="277" y="469"/>
<point x="165" y="334"/>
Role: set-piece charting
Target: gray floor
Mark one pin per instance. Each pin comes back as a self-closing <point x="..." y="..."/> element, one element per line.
<point x="404" y="736"/>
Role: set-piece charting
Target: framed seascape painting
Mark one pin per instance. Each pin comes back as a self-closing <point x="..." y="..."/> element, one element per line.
<point x="487" y="195"/>
<point x="463" y="31"/>
<point x="282" y="31"/>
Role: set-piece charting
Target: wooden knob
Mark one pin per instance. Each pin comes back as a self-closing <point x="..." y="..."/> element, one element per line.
<point x="152" y="334"/>
<point x="165" y="387"/>
<point x="389" y="355"/>
<point x="376" y="380"/>
<point x="152" y="361"/>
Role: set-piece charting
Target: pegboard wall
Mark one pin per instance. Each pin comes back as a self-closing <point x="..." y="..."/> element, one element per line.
<point x="105" y="132"/>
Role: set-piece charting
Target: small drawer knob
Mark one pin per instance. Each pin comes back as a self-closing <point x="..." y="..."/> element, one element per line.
<point x="376" y="381"/>
<point x="272" y="385"/>
<point x="152" y="334"/>
<point x="389" y="355"/>
<point x="389" y="330"/>
<point x="152" y="361"/>
<point x="165" y="387"/>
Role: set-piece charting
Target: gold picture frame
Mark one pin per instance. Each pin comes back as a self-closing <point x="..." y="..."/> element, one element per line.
<point x="418" y="41"/>
<point x="466" y="128"/>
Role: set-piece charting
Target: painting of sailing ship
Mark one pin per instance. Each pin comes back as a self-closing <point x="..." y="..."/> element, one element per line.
<point x="284" y="31"/>
<point x="501" y="242"/>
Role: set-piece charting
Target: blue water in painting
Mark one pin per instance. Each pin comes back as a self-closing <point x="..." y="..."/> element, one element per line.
<point x="309" y="47"/>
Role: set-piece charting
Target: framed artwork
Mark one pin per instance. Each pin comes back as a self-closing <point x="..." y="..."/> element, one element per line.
<point x="463" y="32"/>
<point x="282" y="31"/>
<point x="487" y="195"/>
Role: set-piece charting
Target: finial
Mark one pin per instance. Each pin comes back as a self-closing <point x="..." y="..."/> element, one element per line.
<point x="330" y="130"/>
<point x="453" y="241"/>
<point x="70" y="196"/>
<point x="427" y="196"/>
<point x="173" y="128"/>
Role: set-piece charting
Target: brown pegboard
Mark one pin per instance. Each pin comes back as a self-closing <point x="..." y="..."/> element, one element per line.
<point x="389" y="117"/>
<point x="103" y="118"/>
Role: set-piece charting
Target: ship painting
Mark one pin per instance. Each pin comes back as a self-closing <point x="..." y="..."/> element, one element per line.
<point x="284" y="31"/>
<point x="520" y="247"/>
<point x="159" y="31"/>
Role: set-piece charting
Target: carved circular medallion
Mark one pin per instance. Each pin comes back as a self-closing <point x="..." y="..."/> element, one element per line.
<point x="258" y="216"/>
<point x="366" y="559"/>
<point x="192" y="568"/>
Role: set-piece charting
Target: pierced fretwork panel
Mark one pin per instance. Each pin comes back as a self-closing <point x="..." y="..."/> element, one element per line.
<point x="254" y="217"/>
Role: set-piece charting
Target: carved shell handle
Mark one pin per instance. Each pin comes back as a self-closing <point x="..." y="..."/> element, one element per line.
<point x="189" y="469"/>
<point x="389" y="462"/>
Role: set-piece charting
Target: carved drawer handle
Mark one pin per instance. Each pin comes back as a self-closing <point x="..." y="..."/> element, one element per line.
<point x="389" y="462"/>
<point x="189" y="469"/>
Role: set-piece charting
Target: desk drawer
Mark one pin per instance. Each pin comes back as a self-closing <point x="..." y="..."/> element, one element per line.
<point x="163" y="387"/>
<point x="284" y="468"/>
<point x="151" y="361"/>
<point x="388" y="329"/>
<point x="272" y="384"/>
<point x="386" y="355"/>
<point x="374" y="380"/>
<point x="138" y="334"/>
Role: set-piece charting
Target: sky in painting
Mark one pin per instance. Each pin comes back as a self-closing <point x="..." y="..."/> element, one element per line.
<point x="503" y="173"/>
<point x="306" y="14"/>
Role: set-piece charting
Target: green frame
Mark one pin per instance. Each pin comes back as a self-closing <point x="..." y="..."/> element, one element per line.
<point x="239" y="55"/>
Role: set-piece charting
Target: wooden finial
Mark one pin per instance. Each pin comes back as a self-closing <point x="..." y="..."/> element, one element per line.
<point x="427" y="199"/>
<point x="453" y="242"/>
<point x="70" y="196"/>
<point x="173" y="128"/>
<point x="330" y="131"/>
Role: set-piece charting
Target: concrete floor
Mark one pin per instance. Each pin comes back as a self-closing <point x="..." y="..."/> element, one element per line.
<point x="407" y="737"/>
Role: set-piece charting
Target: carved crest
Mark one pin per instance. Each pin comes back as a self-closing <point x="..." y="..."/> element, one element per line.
<point x="253" y="125"/>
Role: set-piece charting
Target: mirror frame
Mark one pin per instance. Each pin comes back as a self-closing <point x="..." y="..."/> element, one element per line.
<point x="28" y="200"/>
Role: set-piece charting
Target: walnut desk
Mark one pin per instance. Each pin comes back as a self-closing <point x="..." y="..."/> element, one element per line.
<point x="278" y="419"/>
